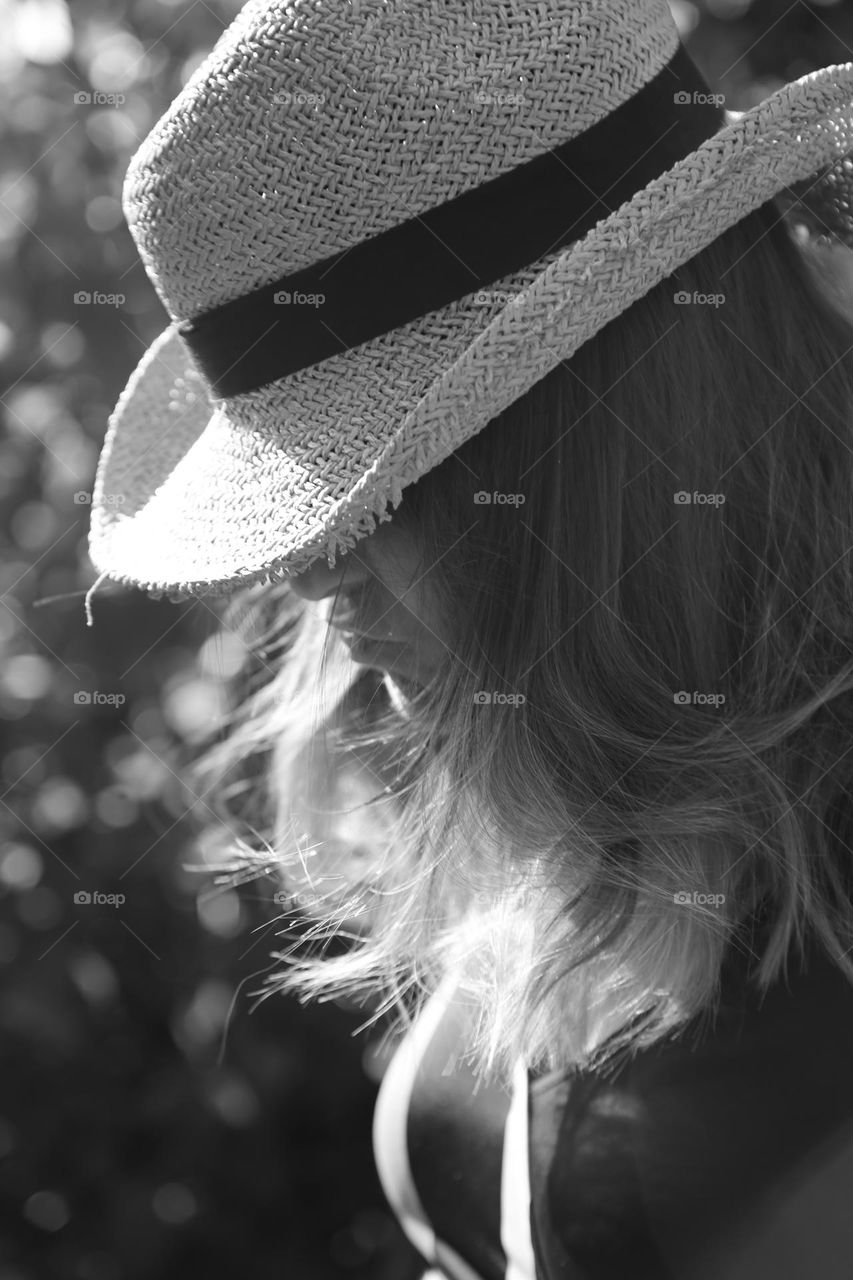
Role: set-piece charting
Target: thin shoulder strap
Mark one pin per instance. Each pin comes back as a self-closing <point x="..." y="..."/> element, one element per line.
<point x="515" y="1184"/>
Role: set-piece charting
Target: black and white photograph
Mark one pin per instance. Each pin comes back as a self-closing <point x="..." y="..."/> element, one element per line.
<point x="426" y="640"/>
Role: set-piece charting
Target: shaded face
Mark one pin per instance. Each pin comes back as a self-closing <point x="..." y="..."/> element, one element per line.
<point x="380" y="599"/>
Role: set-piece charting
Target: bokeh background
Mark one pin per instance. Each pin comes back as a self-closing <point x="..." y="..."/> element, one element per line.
<point x="155" y="1119"/>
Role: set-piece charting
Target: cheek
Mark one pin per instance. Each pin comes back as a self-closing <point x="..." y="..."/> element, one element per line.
<point x="412" y="609"/>
<point x="403" y="587"/>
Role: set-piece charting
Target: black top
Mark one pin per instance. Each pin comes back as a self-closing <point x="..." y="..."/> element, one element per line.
<point x="722" y="1153"/>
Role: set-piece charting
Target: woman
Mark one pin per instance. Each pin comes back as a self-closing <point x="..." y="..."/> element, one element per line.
<point x="549" y="721"/>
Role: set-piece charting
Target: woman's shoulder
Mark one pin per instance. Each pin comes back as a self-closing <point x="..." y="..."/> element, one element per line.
<point x="691" y="1140"/>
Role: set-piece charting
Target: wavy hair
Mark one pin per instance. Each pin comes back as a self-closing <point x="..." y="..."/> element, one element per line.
<point x="640" y="743"/>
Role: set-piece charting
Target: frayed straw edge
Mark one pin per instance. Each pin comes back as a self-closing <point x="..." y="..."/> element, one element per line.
<point x="333" y="542"/>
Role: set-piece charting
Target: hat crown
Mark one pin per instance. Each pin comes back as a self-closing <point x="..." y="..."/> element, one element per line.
<point x="303" y="133"/>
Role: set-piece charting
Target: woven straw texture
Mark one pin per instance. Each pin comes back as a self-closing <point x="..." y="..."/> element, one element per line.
<point x="303" y="134"/>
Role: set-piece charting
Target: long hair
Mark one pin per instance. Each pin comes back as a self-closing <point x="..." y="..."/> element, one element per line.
<point x="641" y="739"/>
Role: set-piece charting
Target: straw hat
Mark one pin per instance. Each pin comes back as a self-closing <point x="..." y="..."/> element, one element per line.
<point x="376" y="225"/>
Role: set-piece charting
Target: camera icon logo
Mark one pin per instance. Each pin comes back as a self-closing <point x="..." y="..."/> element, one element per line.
<point x="482" y="698"/>
<point x="82" y="896"/>
<point x="681" y="498"/>
<point x="82" y="498"/>
<point x="682" y="698"/>
<point x="681" y="98"/>
<point x="82" y="698"/>
<point x="681" y="898"/>
<point x="82" y="297"/>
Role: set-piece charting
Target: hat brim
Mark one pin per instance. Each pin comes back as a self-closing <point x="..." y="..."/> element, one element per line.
<point x="194" y="496"/>
<point x="198" y="496"/>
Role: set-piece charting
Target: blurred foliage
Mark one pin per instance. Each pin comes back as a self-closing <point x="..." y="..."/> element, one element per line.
<point x="137" y="1138"/>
